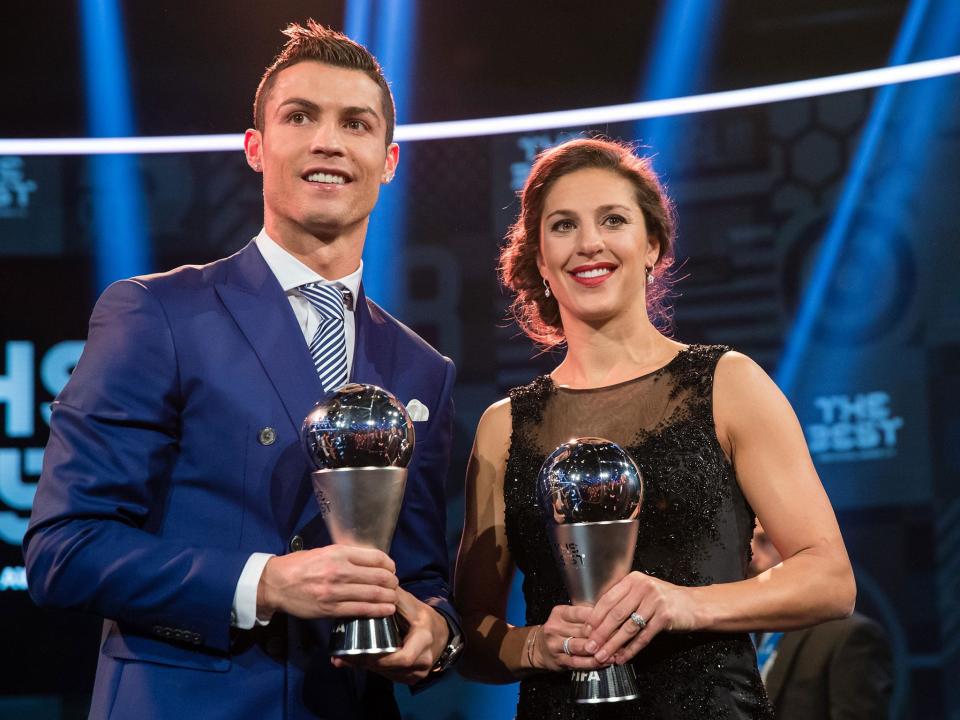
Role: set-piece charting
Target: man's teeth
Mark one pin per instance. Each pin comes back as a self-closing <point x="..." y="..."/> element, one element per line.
<point x="325" y="178"/>
<point x="596" y="272"/>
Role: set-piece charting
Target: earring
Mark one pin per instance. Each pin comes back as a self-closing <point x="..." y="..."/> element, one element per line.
<point x="546" y="291"/>
<point x="649" y="275"/>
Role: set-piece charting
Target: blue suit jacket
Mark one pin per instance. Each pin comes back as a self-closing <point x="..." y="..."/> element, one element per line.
<point x="156" y="489"/>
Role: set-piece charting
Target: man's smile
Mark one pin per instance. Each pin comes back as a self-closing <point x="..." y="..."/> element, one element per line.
<point x="326" y="176"/>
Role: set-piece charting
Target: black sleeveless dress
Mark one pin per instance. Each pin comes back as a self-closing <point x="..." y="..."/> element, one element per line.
<point x="695" y="529"/>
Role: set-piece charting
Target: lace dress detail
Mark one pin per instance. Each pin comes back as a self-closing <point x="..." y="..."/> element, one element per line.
<point x="695" y="529"/>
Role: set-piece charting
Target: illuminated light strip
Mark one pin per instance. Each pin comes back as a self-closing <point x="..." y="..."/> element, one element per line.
<point x="122" y="145"/>
<point x="684" y="105"/>
<point x="521" y="123"/>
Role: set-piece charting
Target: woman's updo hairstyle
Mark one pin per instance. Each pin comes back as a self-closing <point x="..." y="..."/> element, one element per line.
<point x="538" y="315"/>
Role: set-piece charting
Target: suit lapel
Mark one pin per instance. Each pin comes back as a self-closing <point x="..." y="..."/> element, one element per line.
<point x="783" y="662"/>
<point x="372" y="355"/>
<point x="254" y="298"/>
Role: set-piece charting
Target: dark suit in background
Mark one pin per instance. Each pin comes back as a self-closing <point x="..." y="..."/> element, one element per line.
<point x="839" y="670"/>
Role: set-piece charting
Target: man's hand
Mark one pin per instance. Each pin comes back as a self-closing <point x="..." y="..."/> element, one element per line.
<point x="422" y="645"/>
<point x="332" y="581"/>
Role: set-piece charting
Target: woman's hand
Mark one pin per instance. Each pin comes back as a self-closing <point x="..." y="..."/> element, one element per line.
<point x="631" y="613"/>
<point x="566" y="623"/>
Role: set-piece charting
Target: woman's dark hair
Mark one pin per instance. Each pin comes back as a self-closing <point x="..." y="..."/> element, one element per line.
<point x="538" y="315"/>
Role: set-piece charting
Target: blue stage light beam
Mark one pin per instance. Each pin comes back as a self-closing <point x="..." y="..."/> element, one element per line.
<point x="120" y="235"/>
<point x="388" y="29"/>
<point x="839" y="229"/>
<point x="677" y="63"/>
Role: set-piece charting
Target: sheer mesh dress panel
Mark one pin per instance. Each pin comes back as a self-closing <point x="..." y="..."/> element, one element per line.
<point x="695" y="529"/>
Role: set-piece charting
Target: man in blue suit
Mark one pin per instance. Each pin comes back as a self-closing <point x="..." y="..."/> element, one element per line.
<point x="175" y="498"/>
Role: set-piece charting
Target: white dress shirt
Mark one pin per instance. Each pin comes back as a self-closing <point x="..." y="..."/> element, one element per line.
<point x="291" y="274"/>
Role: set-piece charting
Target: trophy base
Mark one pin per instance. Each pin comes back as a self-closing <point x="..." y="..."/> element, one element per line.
<point x="365" y="636"/>
<point x="616" y="683"/>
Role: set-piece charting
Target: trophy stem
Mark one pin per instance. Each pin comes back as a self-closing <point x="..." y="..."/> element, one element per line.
<point x="360" y="505"/>
<point x="616" y="683"/>
<point x="360" y="508"/>
<point x="365" y="636"/>
<point x="593" y="556"/>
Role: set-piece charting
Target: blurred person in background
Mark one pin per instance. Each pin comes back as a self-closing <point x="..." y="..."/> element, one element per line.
<point x="838" y="670"/>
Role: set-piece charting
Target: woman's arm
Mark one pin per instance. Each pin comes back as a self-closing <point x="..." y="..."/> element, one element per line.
<point x="761" y="435"/>
<point x="497" y="652"/>
<point x="765" y="442"/>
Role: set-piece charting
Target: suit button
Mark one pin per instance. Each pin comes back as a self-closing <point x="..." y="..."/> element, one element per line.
<point x="296" y="543"/>
<point x="267" y="436"/>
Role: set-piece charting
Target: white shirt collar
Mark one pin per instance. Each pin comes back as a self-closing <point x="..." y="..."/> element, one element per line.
<point x="291" y="273"/>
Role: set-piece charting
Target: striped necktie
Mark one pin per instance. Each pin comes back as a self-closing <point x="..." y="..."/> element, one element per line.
<point x="329" y="345"/>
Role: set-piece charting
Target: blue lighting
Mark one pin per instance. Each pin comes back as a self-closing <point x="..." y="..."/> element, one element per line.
<point x="675" y="67"/>
<point x="120" y="235"/>
<point x="874" y="136"/>
<point x="388" y="30"/>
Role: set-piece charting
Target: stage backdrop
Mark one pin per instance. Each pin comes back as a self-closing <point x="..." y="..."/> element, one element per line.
<point x="876" y="385"/>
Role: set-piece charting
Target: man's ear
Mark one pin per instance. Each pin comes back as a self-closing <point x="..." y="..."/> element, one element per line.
<point x="253" y="149"/>
<point x="390" y="163"/>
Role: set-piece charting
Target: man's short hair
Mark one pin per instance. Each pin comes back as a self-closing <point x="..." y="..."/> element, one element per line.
<point x="322" y="44"/>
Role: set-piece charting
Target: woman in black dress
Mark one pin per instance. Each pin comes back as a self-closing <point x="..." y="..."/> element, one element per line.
<point x="714" y="437"/>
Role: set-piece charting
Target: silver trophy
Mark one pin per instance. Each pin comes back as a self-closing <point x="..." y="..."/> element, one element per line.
<point x="590" y="491"/>
<point x="360" y="440"/>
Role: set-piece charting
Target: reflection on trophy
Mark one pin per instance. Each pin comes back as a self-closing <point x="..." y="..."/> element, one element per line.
<point x="590" y="491"/>
<point x="360" y="440"/>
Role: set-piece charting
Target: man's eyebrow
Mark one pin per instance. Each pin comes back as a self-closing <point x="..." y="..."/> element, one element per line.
<point x="301" y="102"/>
<point x="350" y="110"/>
<point x="360" y="110"/>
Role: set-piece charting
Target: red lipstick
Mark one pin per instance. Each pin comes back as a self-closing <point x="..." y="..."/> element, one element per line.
<point x="593" y="280"/>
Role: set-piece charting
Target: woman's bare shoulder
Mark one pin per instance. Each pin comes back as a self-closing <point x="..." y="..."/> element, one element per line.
<point x="493" y="430"/>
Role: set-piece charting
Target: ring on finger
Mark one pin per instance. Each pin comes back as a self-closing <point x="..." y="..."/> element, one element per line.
<point x="637" y="619"/>
<point x="566" y="645"/>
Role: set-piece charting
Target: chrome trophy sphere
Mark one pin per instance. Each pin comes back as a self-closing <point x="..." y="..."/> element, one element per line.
<point x="589" y="480"/>
<point x="358" y="426"/>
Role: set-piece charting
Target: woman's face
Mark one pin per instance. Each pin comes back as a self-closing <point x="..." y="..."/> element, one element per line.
<point x="594" y="248"/>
